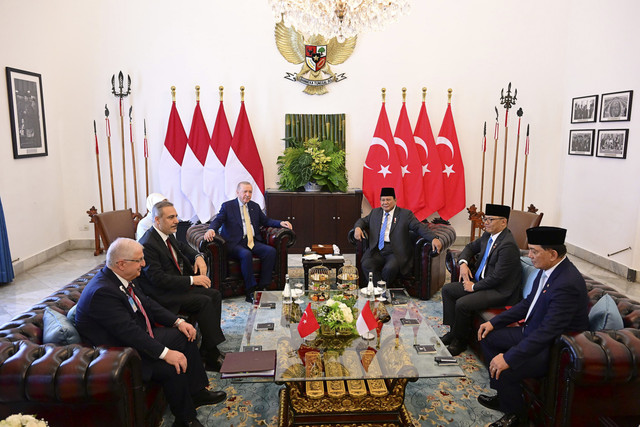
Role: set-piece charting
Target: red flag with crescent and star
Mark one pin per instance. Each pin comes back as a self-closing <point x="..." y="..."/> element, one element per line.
<point x="308" y="323"/>
<point x="452" y="167"/>
<point x="381" y="167"/>
<point x="430" y="159"/>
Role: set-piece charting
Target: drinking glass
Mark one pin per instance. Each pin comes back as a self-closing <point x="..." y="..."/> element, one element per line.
<point x="381" y="289"/>
<point x="299" y="288"/>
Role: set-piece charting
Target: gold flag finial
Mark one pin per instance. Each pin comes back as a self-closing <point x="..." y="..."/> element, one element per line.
<point x="404" y="94"/>
<point x="197" y="93"/>
<point x="450" y="90"/>
<point x="424" y="94"/>
<point x="221" y="89"/>
<point x="241" y="93"/>
<point x="384" y="92"/>
<point x="173" y="93"/>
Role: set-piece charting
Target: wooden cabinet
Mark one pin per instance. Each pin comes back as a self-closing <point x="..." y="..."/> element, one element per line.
<point x="317" y="217"/>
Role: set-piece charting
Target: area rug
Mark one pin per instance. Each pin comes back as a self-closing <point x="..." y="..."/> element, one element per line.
<point x="431" y="402"/>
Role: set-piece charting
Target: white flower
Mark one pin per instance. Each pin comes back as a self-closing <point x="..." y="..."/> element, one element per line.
<point x="347" y="314"/>
<point x="19" y="420"/>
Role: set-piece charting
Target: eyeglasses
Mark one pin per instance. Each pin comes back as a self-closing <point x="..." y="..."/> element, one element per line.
<point x="489" y="219"/>
<point x="139" y="261"/>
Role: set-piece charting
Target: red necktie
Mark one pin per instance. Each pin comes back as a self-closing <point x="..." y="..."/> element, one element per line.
<point x="141" y="308"/>
<point x="173" y="255"/>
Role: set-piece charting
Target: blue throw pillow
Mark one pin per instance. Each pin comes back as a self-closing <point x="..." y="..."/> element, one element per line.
<point x="58" y="329"/>
<point x="529" y="273"/>
<point x="605" y="315"/>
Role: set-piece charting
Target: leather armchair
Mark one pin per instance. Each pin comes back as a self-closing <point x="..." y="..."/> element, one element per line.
<point x="428" y="273"/>
<point x="225" y="273"/>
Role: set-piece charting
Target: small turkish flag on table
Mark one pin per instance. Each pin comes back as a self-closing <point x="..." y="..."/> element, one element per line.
<point x="308" y="323"/>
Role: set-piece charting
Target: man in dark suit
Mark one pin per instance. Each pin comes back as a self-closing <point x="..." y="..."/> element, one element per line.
<point x="241" y="220"/>
<point x="390" y="250"/>
<point x="175" y="275"/>
<point x="557" y="304"/>
<point x="113" y="311"/>
<point x="495" y="280"/>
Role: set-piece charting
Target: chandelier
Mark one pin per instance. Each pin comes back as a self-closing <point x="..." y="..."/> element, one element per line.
<point x="338" y="18"/>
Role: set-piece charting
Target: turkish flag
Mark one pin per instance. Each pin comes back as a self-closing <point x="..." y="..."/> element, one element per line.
<point x="366" y="320"/>
<point x="430" y="160"/>
<point x="192" y="171"/>
<point x="243" y="162"/>
<point x="410" y="166"/>
<point x="452" y="167"/>
<point x="219" y="145"/>
<point x="175" y="145"/>
<point x="308" y="323"/>
<point x="381" y="167"/>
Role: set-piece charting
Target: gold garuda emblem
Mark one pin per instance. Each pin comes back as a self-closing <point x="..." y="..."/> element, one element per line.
<point x="316" y="54"/>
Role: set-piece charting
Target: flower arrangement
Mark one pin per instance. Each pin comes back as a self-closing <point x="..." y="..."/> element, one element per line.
<point x="322" y="162"/>
<point x="337" y="313"/>
<point x="19" y="420"/>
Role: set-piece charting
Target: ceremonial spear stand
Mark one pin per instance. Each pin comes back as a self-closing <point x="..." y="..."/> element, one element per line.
<point x="121" y="94"/>
<point x="133" y="160"/>
<point x="507" y="101"/>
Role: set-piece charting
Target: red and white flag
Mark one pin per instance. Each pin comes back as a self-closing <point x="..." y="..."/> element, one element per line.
<point x="366" y="320"/>
<point x="243" y="162"/>
<point x="431" y="166"/>
<point x="452" y="167"/>
<point x="175" y="145"/>
<point x="308" y="323"/>
<point x="213" y="176"/>
<point x="410" y="166"/>
<point x="381" y="167"/>
<point x="192" y="173"/>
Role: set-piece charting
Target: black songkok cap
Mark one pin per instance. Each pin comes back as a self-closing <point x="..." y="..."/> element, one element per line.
<point x="497" y="210"/>
<point x="546" y="236"/>
<point x="387" y="191"/>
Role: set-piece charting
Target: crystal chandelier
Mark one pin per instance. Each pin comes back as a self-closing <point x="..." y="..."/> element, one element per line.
<point x="338" y="18"/>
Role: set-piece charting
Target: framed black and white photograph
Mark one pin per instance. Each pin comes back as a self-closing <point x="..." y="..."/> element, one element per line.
<point x="584" y="109"/>
<point x="26" y="107"/>
<point x="581" y="142"/>
<point x="612" y="143"/>
<point x="616" y="107"/>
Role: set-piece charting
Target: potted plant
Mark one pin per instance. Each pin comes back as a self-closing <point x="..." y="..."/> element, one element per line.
<point x="313" y="161"/>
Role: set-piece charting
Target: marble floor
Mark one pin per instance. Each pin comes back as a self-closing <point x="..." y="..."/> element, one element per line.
<point x="32" y="286"/>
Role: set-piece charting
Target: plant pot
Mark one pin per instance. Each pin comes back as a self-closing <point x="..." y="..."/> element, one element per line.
<point x="312" y="186"/>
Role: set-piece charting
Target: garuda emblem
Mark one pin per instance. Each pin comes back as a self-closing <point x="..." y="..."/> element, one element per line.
<point x="316" y="54"/>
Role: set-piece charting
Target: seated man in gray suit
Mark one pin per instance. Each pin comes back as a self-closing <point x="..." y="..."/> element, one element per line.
<point x="390" y="245"/>
<point x="494" y="282"/>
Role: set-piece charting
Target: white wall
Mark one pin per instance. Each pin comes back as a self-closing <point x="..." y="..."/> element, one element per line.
<point x="474" y="48"/>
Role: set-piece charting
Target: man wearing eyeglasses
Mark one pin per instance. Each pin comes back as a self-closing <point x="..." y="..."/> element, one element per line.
<point x="492" y="281"/>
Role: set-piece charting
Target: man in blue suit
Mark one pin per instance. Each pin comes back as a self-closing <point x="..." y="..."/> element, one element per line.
<point x="239" y="221"/>
<point x="557" y="304"/>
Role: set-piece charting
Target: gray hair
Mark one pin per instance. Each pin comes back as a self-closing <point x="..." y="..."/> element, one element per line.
<point x="121" y="248"/>
<point x="241" y="183"/>
<point x="157" y="208"/>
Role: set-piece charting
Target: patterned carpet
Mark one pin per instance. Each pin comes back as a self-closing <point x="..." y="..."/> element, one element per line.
<point x="431" y="402"/>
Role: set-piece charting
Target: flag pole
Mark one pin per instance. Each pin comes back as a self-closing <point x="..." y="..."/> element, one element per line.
<point x="495" y="155"/>
<point x="515" y="168"/>
<point x="484" y="151"/>
<point x="108" y="129"/>
<point x="384" y="94"/>
<point x="146" y="159"/>
<point x="507" y="101"/>
<point x="241" y="93"/>
<point x="526" y="157"/>
<point x="133" y="159"/>
<point x="95" y="134"/>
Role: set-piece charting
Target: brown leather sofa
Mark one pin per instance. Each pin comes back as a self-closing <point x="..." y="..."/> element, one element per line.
<point x="72" y="385"/>
<point x="592" y="375"/>
<point x="225" y="273"/>
<point x="428" y="274"/>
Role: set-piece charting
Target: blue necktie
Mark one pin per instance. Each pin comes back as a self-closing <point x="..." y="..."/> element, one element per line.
<point x="484" y="259"/>
<point x="383" y="231"/>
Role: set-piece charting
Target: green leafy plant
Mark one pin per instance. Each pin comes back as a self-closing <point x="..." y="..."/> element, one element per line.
<point x="322" y="162"/>
<point x="336" y="314"/>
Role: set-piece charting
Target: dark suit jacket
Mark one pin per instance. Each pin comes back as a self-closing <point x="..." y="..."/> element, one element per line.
<point x="401" y="243"/>
<point x="229" y="221"/>
<point x="105" y="317"/>
<point x="160" y="277"/>
<point x="563" y="306"/>
<point x="503" y="271"/>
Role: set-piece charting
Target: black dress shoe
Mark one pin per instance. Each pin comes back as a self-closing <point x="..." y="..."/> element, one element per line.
<point x="212" y="365"/>
<point x="208" y="397"/>
<point x="447" y="338"/>
<point x="491" y="402"/>
<point x="456" y="347"/>
<point x="249" y="298"/>
<point x="507" y="420"/>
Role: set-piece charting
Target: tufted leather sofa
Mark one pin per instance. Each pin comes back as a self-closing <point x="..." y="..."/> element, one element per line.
<point x="591" y="374"/>
<point x="429" y="273"/>
<point x="72" y="385"/>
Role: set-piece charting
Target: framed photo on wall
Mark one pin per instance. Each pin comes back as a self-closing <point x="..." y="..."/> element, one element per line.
<point x="612" y="143"/>
<point x="616" y="107"/>
<point x="26" y="107"/>
<point x="584" y="109"/>
<point x="581" y="142"/>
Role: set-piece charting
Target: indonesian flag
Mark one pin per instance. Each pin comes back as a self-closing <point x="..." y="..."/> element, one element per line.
<point x="213" y="175"/>
<point x="432" y="184"/>
<point x="175" y="145"/>
<point x="366" y="321"/>
<point x="308" y="323"/>
<point x="381" y="167"/>
<point x="410" y="165"/>
<point x="453" y="169"/>
<point x="193" y="167"/>
<point x="243" y="162"/>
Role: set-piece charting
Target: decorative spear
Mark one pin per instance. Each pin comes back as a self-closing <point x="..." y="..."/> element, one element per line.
<point x="121" y="94"/>
<point x="146" y="159"/>
<point x="526" y="157"/>
<point x="507" y="101"/>
<point x="495" y="156"/>
<point x="484" y="151"/>
<point x="515" y="168"/>
<point x="95" y="134"/>
<point x="133" y="159"/>
<point x="108" y="129"/>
